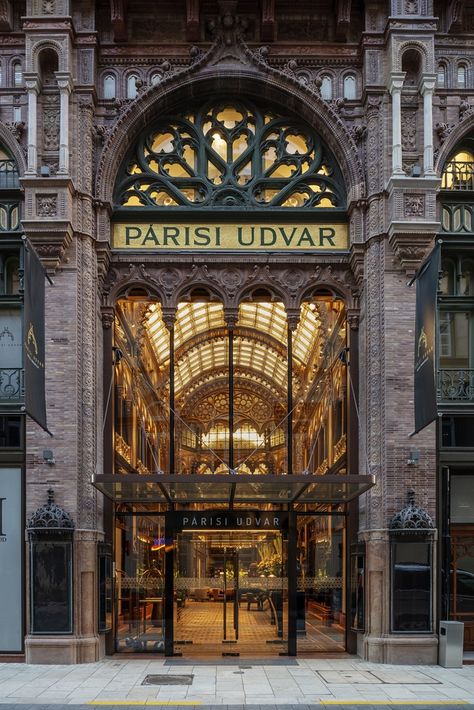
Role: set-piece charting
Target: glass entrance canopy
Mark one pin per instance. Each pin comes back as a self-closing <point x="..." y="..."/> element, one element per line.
<point x="227" y="489"/>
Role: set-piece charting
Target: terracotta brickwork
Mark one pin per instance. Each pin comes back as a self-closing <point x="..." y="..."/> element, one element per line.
<point x="174" y="56"/>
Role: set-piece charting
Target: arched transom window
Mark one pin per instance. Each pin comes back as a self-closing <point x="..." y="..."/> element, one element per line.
<point x="230" y="155"/>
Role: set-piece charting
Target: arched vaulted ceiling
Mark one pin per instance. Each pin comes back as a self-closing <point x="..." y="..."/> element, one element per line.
<point x="201" y="362"/>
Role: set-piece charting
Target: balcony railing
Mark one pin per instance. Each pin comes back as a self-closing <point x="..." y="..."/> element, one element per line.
<point x="456" y="385"/>
<point x="11" y="384"/>
<point x="458" y="175"/>
<point x="8" y="174"/>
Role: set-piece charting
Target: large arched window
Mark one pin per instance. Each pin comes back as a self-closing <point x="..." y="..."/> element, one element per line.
<point x="230" y="154"/>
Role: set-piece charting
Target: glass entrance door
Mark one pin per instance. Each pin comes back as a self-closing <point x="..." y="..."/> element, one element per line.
<point x="230" y="593"/>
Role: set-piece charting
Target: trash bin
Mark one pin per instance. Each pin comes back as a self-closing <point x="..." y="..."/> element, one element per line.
<point x="451" y="643"/>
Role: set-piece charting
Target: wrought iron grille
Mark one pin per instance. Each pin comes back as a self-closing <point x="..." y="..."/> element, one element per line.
<point x="230" y="155"/>
<point x="456" y="385"/>
<point x="11" y="384"/>
<point x="458" y="175"/>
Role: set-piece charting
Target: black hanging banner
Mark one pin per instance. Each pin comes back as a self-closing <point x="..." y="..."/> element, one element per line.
<point x="426" y="409"/>
<point x="34" y="338"/>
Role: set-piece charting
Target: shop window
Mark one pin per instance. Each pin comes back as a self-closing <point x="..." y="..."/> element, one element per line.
<point x="357" y="582"/>
<point x="350" y="87"/>
<point x="50" y="533"/>
<point x="110" y="87"/>
<point x="132" y="86"/>
<point x="411" y="585"/>
<point x="326" y="88"/>
<point x="10" y="431"/>
<point x="457" y="431"/>
<point x="462" y="499"/>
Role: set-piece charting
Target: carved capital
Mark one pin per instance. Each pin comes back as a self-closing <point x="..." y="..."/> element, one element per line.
<point x="353" y="318"/>
<point x="108" y="315"/>
<point x="231" y="316"/>
<point x="293" y="318"/>
<point x="168" y="316"/>
<point x="64" y="80"/>
<point x="396" y="81"/>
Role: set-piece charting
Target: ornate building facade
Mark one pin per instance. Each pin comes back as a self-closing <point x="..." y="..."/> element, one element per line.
<point x="230" y="199"/>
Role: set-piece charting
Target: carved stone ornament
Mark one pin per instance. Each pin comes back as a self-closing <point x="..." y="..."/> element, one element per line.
<point x="50" y="516"/>
<point x="443" y="130"/>
<point x="17" y="129"/>
<point x="411" y="519"/>
<point x="46" y="205"/>
<point x="465" y="109"/>
<point x="414" y="205"/>
<point x="411" y="7"/>
<point x="409" y="130"/>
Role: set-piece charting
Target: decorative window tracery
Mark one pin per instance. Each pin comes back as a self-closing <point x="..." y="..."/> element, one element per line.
<point x="230" y="155"/>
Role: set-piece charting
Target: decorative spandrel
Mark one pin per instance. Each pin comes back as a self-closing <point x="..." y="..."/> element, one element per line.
<point x="230" y="155"/>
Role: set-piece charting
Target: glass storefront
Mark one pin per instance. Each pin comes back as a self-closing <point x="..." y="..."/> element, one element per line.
<point x="139" y="583"/>
<point x="240" y="584"/>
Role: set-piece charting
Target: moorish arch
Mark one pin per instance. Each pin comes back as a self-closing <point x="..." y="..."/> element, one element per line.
<point x="455" y="136"/>
<point x="272" y="86"/>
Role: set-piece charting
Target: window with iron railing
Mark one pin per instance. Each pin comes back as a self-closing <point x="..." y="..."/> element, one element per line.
<point x="458" y="173"/>
<point x="456" y="328"/>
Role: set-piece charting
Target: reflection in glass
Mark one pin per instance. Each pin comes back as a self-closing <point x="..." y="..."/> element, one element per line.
<point x="411" y="586"/>
<point x="321" y="582"/>
<point x="139" y="583"/>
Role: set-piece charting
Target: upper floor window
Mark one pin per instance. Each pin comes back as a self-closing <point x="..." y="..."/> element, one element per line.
<point x="132" y="86"/>
<point x="110" y="87"/>
<point x="349" y="87"/>
<point x="8" y="175"/>
<point x="12" y="275"/>
<point x="326" y="88"/>
<point x="17" y="74"/>
<point x="458" y="173"/>
<point x="457" y="276"/>
<point x="441" y="76"/>
<point x="232" y="155"/>
<point x="462" y="76"/>
<point x="155" y="79"/>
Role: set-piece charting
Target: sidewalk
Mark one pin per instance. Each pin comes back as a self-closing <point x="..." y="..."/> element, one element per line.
<point x="117" y="681"/>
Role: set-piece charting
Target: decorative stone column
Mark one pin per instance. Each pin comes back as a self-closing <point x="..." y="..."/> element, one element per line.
<point x="32" y="87"/>
<point x="396" y="84"/>
<point x="65" y="86"/>
<point x="428" y="82"/>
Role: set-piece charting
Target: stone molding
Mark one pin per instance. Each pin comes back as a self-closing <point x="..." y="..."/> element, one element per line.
<point x="171" y="282"/>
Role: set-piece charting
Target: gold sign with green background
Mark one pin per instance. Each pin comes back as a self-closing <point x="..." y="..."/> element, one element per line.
<point x="230" y="236"/>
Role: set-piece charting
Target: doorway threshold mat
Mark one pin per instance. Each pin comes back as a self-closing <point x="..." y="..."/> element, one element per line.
<point x="244" y="662"/>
